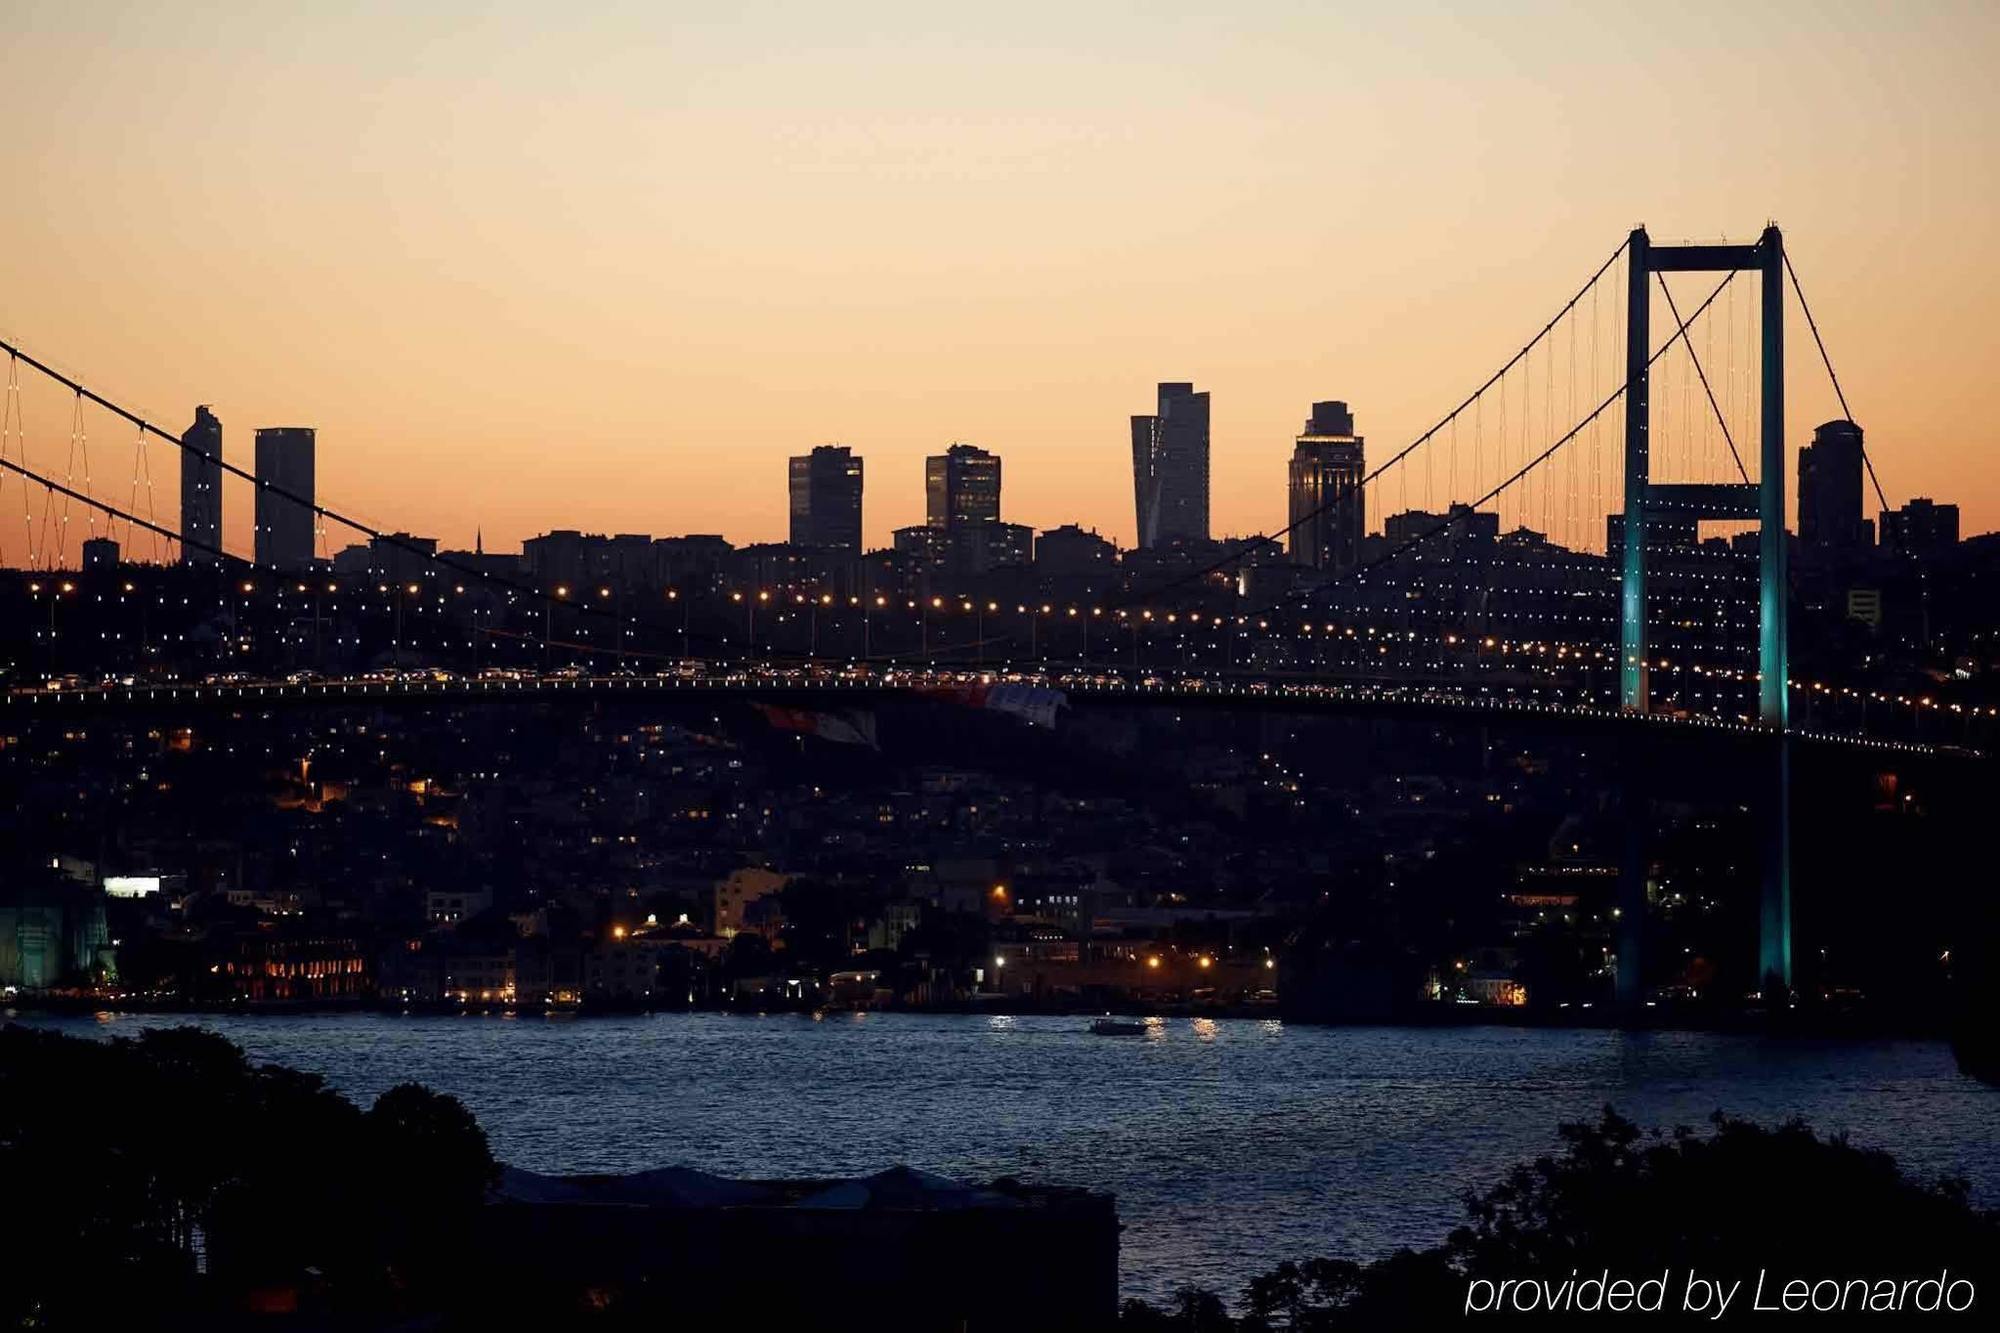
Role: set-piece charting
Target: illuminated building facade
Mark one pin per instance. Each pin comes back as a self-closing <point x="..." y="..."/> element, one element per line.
<point x="961" y="486"/>
<point x="1328" y="512"/>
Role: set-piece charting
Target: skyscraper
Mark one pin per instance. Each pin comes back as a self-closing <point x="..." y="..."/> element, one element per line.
<point x="284" y="525"/>
<point x="201" y="490"/>
<point x="962" y="514"/>
<point x="961" y="486"/>
<point x="826" y="498"/>
<point x="1170" y="467"/>
<point x="1830" y="490"/>
<point x="1328" y="511"/>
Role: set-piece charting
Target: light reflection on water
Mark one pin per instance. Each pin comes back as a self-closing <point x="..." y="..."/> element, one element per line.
<point x="1231" y="1144"/>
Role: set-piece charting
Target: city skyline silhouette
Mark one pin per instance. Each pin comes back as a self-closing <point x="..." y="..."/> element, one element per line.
<point x="611" y="272"/>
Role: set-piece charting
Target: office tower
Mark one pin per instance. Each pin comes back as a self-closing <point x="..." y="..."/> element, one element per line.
<point x="961" y="486"/>
<point x="1830" y="490"/>
<point x="285" y="525"/>
<point x="826" y="498"/>
<point x="1327" y="510"/>
<point x="201" y="490"/>
<point x="1920" y="526"/>
<point x="1170" y="467"/>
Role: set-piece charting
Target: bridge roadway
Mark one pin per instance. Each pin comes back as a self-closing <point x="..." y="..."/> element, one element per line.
<point x="805" y="687"/>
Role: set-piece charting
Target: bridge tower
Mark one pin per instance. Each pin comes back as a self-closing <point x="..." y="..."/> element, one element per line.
<point x="1762" y="501"/>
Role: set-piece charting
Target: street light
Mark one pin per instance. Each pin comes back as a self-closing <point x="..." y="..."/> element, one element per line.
<point x="548" y="623"/>
<point x="56" y="592"/>
<point x="750" y="611"/>
<point x="687" y="611"/>
<point x="397" y="641"/>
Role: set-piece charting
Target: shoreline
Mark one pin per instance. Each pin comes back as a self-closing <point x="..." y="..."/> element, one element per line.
<point x="1798" y="1022"/>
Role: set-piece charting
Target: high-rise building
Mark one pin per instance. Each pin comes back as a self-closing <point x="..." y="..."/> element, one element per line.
<point x="826" y="498"/>
<point x="1170" y="467"/>
<point x="285" y="525"/>
<point x="1830" y="490"/>
<point x="961" y="486"/>
<point x="1920" y="526"/>
<point x="1327" y="510"/>
<point x="201" y="490"/>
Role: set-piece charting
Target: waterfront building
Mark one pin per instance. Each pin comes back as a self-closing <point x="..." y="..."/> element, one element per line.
<point x="906" y="1249"/>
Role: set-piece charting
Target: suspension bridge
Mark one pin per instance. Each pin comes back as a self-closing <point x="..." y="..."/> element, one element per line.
<point x="1595" y="535"/>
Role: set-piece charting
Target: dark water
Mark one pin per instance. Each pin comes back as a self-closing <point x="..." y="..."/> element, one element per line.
<point x="1231" y="1144"/>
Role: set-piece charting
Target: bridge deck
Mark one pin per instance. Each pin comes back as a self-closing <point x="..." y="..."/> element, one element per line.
<point x="1518" y="704"/>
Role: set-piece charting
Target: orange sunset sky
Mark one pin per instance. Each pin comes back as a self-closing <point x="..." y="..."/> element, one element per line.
<point x="607" y="265"/>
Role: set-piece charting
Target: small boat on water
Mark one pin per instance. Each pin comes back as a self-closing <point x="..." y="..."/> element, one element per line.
<point x="1117" y="1027"/>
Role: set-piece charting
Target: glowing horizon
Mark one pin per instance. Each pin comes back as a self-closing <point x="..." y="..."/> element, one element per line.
<point x="609" y="271"/>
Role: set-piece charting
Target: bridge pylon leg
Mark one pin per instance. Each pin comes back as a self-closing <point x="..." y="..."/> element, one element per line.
<point x="1774" y="917"/>
<point x="1633" y="694"/>
<point x="1634" y="811"/>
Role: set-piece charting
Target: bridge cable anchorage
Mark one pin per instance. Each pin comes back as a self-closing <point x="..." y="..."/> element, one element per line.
<point x="1713" y="406"/>
<point x="1451" y="520"/>
<point x="1248" y="544"/>
<point x="396" y="541"/>
<point x="1827" y="361"/>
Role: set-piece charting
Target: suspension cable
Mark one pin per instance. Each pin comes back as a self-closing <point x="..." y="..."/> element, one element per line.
<point x="1713" y="406"/>
<point x="1827" y="361"/>
<point x="110" y="510"/>
<point x="1248" y="544"/>
<point x="390" y="539"/>
<point x="1451" y="520"/>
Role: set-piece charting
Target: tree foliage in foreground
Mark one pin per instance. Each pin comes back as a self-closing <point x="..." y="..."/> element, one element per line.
<point x="166" y="1173"/>
<point x="1727" y="1203"/>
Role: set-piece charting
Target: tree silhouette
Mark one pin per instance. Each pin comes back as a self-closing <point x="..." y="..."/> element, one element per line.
<point x="1727" y="1203"/>
<point x="168" y="1176"/>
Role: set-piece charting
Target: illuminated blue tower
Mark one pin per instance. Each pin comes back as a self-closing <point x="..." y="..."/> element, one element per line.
<point x="1762" y="501"/>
